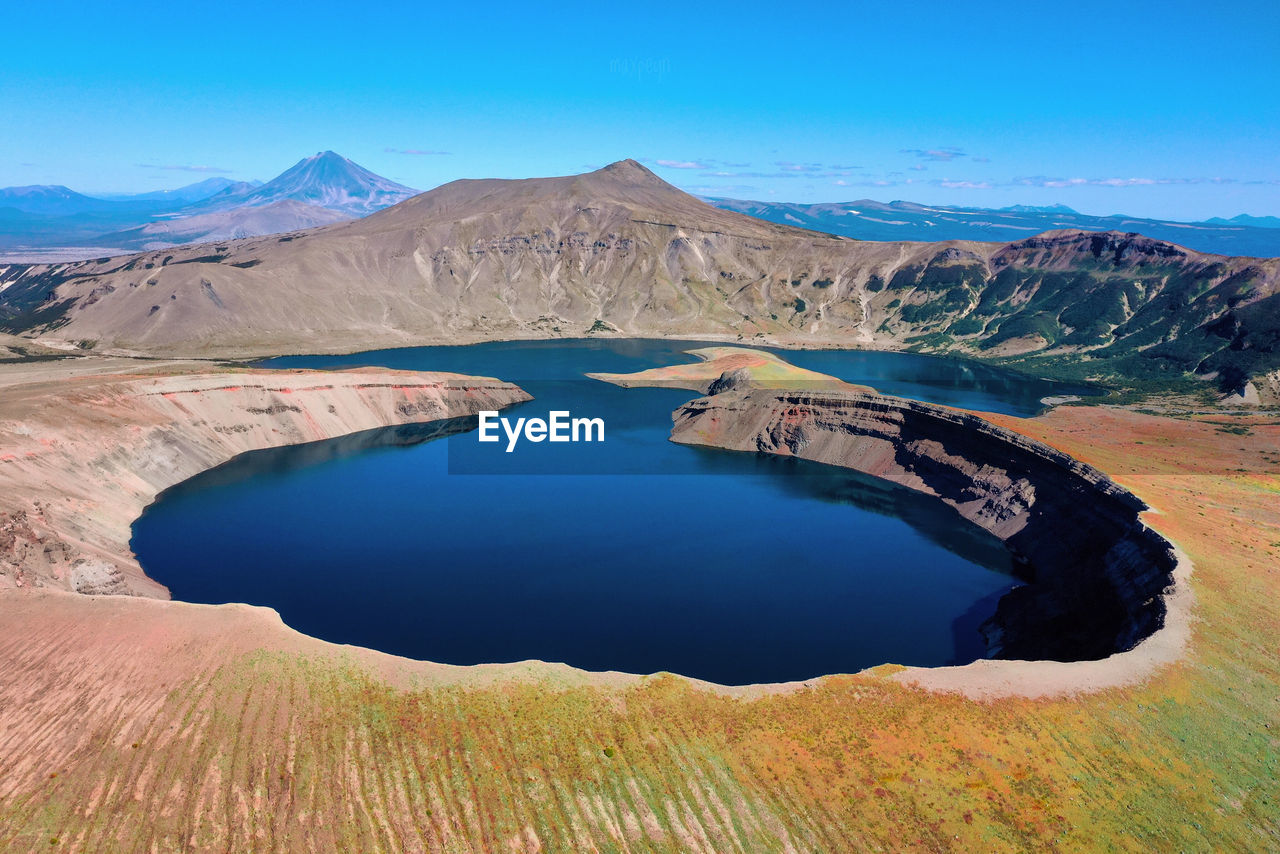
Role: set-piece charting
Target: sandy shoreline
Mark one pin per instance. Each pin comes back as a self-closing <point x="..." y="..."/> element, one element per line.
<point x="989" y="679"/>
<point x="165" y="421"/>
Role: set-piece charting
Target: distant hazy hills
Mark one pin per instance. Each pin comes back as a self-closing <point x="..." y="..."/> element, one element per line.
<point x="230" y="223"/>
<point x="867" y="220"/>
<point x="1245" y="219"/>
<point x="318" y="190"/>
<point x="619" y="250"/>
<point x="188" y="194"/>
<point x="51" y="200"/>
<point x="327" y="188"/>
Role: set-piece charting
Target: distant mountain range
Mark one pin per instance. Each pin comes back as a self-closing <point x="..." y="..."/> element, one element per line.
<point x="188" y="194"/>
<point x="317" y="190"/>
<point x="864" y="219"/>
<point x="1245" y="219"/>
<point x="50" y="200"/>
<point x="52" y="222"/>
<point x="619" y="251"/>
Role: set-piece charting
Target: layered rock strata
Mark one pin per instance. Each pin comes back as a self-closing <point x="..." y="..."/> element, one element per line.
<point x="81" y="457"/>
<point x="1097" y="575"/>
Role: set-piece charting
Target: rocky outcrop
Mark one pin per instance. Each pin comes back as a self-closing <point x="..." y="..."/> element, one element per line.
<point x="730" y="380"/>
<point x="80" y="457"/>
<point x="1096" y="574"/>
<point x="1262" y="390"/>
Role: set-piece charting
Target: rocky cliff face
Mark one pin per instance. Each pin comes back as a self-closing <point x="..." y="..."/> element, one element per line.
<point x="80" y="459"/>
<point x="1096" y="574"/>
<point x="620" y="251"/>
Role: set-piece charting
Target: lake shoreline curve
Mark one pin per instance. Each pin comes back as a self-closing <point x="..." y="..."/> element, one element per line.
<point x="1109" y="599"/>
<point x="83" y="455"/>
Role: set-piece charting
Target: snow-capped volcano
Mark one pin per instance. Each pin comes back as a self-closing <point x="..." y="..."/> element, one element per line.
<point x="327" y="180"/>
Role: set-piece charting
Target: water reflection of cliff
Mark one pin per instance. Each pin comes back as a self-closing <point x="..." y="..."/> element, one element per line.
<point x="929" y="517"/>
<point x="293" y="457"/>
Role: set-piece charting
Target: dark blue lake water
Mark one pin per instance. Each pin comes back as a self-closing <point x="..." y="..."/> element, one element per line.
<point x="634" y="554"/>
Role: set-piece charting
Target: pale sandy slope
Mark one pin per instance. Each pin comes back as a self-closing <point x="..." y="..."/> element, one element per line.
<point x="85" y="444"/>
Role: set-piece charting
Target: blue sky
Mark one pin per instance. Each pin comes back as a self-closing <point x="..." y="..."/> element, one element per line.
<point x="1165" y="109"/>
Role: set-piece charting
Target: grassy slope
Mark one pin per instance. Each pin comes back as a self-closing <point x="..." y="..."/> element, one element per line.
<point x="764" y="368"/>
<point x="1144" y="323"/>
<point x="295" y="750"/>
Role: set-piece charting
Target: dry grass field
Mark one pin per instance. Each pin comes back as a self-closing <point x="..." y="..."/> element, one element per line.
<point x="140" y="725"/>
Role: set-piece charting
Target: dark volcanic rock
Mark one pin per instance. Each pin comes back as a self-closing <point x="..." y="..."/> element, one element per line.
<point x="730" y="381"/>
<point x="1096" y="574"/>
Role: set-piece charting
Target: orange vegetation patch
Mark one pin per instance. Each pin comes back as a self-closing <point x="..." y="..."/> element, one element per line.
<point x="764" y="369"/>
<point x="140" y="725"/>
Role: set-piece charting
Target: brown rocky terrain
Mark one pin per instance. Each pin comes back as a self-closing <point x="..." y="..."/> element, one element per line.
<point x="84" y="446"/>
<point x="14" y="348"/>
<point x="619" y="251"/>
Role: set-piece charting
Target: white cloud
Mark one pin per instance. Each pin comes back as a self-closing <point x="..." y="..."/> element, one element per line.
<point x="937" y="155"/>
<point x="177" y="168"/>
<point x="683" y="164"/>
<point x="964" y="185"/>
<point x="1058" y="183"/>
<point x="426" y="151"/>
